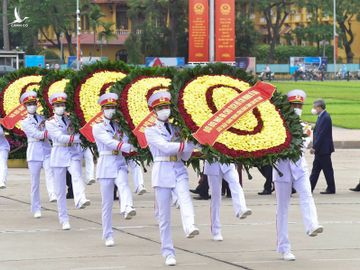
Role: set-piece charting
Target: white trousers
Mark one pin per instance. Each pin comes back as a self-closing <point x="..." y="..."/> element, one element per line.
<point x="60" y="190"/>
<point x="107" y="199"/>
<point x="4" y="154"/>
<point x="89" y="164"/>
<point x="237" y="196"/>
<point x="125" y="196"/>
<point x="75" y="170"/>
<point x="163" y="200"/>
<point x="307" y="206"/>
<point x="137" y="174"/>
<point x="35" y="169"/>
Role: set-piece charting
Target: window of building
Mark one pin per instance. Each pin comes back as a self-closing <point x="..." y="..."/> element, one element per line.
<point x="122" y="22"/>
<point x="121" y="55"/>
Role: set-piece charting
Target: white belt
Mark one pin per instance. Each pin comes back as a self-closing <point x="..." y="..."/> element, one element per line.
<point x="166" y="159"/>
<point x="33" y="140"/>
<point x="109" y="153"/>
<point x="63" y="144"/>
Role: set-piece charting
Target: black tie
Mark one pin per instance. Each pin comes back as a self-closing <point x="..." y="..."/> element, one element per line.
<point x="166" y="124"/>
<point x="112" y="125"/>
<point x="35" y="118"/>
<point x="63" y="119"/>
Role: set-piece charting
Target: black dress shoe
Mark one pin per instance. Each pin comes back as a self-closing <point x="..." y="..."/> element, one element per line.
<point x="327" y="192"/>
<point x="70" y="195"/>
<point x="265" y="192"/>
<point x="357" y="188"/>
<point x="202" y="197"/>
<point x="195" y="191"/>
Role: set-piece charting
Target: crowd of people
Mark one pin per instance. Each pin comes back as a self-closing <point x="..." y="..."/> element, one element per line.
<point x="54" y="146"/>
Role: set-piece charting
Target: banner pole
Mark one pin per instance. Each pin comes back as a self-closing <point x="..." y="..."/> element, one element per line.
<point x="212" y="31"/>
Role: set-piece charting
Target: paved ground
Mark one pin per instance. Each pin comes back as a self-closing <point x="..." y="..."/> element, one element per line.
<point x="28" y="243"/>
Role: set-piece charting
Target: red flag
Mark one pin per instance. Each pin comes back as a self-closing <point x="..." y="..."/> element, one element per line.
<point x="86" y="130"/>
<point x="139" y="130"/>
<point x="223" y="119"/>
<point x="11" y="119"/>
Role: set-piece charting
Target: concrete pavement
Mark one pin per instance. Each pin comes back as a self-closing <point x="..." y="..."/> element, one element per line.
<point x="28" y="243"/>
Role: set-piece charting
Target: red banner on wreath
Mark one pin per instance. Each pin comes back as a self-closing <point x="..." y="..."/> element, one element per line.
<point x="17" y="114"/>
<point x="139" y="131"/>
<point x="225" y="30"/>
<point x="198" y="30"/>
<point x="86" y="130"/>
<point x="223" y="119"/>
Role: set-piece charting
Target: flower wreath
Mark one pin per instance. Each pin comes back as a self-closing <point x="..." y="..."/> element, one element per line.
<point x="134" y="91"/>
<point x="269" y="132"/>
<point x="13" y="86"/>
<point x="87" y="85"/>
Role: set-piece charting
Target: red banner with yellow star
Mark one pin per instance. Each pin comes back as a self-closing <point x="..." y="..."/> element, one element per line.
<point x="198" y="31"/>
<point x="225" y="30"/>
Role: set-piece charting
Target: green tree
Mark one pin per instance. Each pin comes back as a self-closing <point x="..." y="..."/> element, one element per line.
<point x="346" y="12"/>
<point x="158" y="27"/>
<point x="246" y="35"/>
<point x="275" y="13"/>
<point x="5" y="27"/>
<point x="94" y="15"/>
<point x="106" y="33"/>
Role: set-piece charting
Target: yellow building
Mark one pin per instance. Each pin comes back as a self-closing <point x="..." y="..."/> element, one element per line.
<point x="300" y="17"/>
<point x="115" y="11"/>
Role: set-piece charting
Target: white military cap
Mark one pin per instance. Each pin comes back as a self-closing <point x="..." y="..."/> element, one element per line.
<point x="28" y="97"/>
<point x="58" y="98"/>
<point x="108" y="99"/>
<point x="159" y="98"/>
<point x="296" y="96"/>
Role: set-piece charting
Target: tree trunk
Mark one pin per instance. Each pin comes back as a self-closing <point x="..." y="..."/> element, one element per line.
<point x="347" y="41"/>
<point x="173" y="31"/>
<point x="5" y="22"/>
<point x="69" y="44"/>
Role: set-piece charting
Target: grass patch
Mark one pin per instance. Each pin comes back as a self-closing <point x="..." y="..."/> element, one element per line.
<point x="342" y="100"/>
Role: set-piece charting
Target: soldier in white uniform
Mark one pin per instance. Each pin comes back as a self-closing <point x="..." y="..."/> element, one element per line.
<point x="65" y="155"/>
<point x="4" y="153"/>
<point x="38" y="151"/>
<point x="295" y="175"/>
<point x="169" y="173"/>
<point x="138" y="177"/>
<point x="112" y="167"/>
<point x="215" y="173"/>
<point x="89" y="166"/>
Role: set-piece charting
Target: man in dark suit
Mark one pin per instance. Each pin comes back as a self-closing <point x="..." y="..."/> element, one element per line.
<point x="323" y="146"/>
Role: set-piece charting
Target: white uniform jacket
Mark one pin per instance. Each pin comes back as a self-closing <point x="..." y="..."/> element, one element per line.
<point x="294" y="171"/>
<point x="167" y="152"/>
<point x="38" y="145"/>
<point x="63" y="140"/>
<point x="110" y="142"/>
<point x="4" y="144"/>
<point x="216" y="167"/>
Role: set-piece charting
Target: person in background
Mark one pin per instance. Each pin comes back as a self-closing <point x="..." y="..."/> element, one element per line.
<point x="294" y="175"/>
<point x="38" y="151"/>
<point x="357" y="188"/>
<point x="266" y="171"/>
<point x="215" y="172"/>
<point x="4" y="154"/>
<point x="323" y="147"/>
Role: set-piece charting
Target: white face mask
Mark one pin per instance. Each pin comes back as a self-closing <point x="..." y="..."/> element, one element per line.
<point x="109" y="113"/>
<point x="314" y="111"/>
<point x="164" y="114"/>
<point x="31" y="109"/>
<point x="298" y="111"/>
<point x="59" y="110"/>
